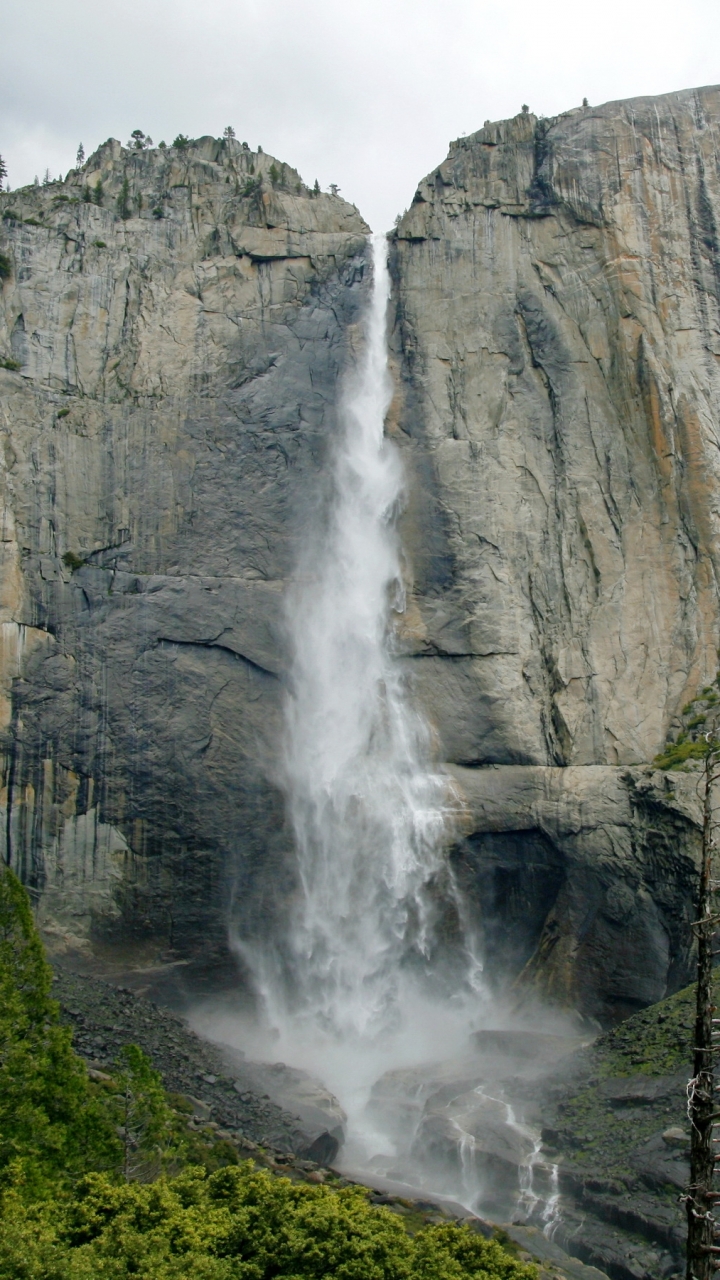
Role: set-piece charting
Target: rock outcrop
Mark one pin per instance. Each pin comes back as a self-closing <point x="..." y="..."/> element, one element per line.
<point x="557" y="341"/>
<point x="172" y="330"/>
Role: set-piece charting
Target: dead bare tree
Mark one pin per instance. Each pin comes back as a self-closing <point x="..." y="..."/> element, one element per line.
<point x="703" y="1247"/>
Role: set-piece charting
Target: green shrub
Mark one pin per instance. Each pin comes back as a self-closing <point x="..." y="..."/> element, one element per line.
<point x="696" y="721"/>
<point x="12" y="365"/>
<point x="63" y="413"/>
<point x="99" y="244"/>
<point x="181" y="142"/>
<point x="238" y="1224"/>
<point x="97" y="193"/>
<point x="72" y="561"/>
<point x="11" y="215"/>
<point x="678" y="753"/>
<point x="5" y="267"/>
<point x="274" y="174"/>
<point x="158" y="212"/>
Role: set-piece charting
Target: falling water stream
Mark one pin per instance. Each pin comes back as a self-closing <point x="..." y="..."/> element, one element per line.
<point x="364" y="978"/>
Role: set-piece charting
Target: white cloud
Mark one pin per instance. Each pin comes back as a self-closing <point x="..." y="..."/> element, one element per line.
<point x="367" y="96"/>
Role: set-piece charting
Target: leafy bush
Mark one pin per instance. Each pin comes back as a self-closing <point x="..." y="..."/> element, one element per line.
<point x="72" y="561"/>
<point x="181" y="142"/>
<point x="678" y="753"/>
<point x="12" y="365"/>
<point x="237" y="1224"/>
<point x="5" y="267"/>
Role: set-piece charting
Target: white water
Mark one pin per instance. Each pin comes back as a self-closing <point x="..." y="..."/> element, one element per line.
<point x="363" y="982"/>
<point x="369" y="813"/>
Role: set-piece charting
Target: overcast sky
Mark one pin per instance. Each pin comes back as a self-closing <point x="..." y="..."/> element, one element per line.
<point x="366" y="95"/>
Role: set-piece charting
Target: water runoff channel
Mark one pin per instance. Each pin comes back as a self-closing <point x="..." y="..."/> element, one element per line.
<point x="365" y="991"/>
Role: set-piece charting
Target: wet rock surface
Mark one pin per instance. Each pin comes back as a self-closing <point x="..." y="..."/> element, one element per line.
<point x="615" y="1123"/>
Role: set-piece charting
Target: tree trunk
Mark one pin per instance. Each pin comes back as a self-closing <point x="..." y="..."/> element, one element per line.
<point x="700" y="1200"/>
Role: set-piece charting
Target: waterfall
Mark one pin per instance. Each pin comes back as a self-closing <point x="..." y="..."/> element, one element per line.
<point x="368" y="812"/>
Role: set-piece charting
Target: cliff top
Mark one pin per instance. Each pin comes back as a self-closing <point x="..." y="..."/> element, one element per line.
<point x="218" y="177"/>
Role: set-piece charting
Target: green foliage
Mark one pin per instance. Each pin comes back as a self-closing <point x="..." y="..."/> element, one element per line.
<point x="158" y="212"/>
<point x="274" y="174"/>
<point x="139" y="141"/>
<point x="67" y="1213"/>
<point x="123" y="200"/>
<point x="316" y="188"/>
<point x="97" y="193"/>
<point x="72" y="561"/>
<point x="11" y="215"/>
<point x="237" y="1224"/>
<point x="228" y="133"/>
<point x="3" y="171"/>
<point x="181" y="142"/>
<point x="63" y="413"/>
<point x="697" y="721"/>
<point x="52" y="1126"/>
<point x="12" y="365"/>
<point x="678" y="753"/>
<point x="5" y="267"/>
<point x="147" y="1121"/>
<point x="99" y="244"/>
<point x="251" y="186"/>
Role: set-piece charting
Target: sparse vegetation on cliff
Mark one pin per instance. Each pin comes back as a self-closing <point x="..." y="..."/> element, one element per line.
<point x="698" y="733"/>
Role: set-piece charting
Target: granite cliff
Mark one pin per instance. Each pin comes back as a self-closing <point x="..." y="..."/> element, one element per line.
<point x="173" y="328"/>
<point x="557" y="339"/>
<point x="171" y="359"/>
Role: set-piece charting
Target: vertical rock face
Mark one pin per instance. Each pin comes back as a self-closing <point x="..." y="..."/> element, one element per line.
<point x="172" y="330"/>
<point x="558" y="337"/>
<point x="557" y="340"/>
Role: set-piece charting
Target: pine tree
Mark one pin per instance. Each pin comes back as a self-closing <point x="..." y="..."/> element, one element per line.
<point x="51" y="1126"/>
<point x="3" y="171"/>
<point x="147" y="1120"/>
<point x="80" y="157"/>
<point x="228" y="133"/>
<point x="123" y="200"/>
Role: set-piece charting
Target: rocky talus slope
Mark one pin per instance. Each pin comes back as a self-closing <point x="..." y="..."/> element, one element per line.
<point x="557" y="344"/>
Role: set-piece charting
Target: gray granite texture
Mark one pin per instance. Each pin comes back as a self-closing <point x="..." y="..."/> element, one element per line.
<point x="172" y="344"/>
<point x="172" y="357"/>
